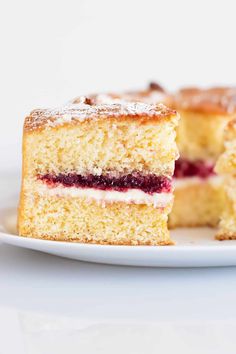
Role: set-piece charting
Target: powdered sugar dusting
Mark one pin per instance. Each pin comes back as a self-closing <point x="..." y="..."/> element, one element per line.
<point x="72" y="113"/>
<point x="147" y="96"/>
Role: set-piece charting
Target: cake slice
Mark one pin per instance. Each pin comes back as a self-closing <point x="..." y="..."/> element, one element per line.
<point x="99" y="173"/>
<point x="199" y="196"/>
<point x="226" y="167"/>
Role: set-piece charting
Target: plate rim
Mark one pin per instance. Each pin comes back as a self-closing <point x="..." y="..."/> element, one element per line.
<point x="6" y="237"/>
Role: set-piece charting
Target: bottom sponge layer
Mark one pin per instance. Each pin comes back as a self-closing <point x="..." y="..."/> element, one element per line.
<point x="80" y="220"/>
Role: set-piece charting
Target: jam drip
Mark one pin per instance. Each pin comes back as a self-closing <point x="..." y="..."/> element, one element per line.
<point x="148" y="183"/>
<point x="198" y="168"/>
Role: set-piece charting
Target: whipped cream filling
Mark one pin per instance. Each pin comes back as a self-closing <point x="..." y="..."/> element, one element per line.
<point x="131" y="196"/>
<point x="191" y="181"/>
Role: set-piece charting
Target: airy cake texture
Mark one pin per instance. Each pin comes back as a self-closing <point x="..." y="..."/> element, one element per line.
<point x="99" y="173"/>
<point x="112" y="144"/>
<point x="226" y="167"/>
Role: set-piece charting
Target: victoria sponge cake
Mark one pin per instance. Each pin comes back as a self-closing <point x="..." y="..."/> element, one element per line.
<point x="99" y="173"/>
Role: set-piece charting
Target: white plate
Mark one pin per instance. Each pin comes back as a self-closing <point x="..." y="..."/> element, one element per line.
<point x="194" y="247"/>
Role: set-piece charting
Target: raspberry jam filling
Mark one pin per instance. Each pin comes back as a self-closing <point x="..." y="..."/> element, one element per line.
<point x="198" y="168"/>
<point x="148" y="184"/>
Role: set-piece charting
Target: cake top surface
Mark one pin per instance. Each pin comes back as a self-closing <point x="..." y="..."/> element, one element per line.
<point x="216" y="100"/>
<point x="77" y="113"/>
<point x="153" y="94"/>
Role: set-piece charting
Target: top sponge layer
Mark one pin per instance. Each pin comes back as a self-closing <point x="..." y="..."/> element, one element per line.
<point x="75" y="114"/>
<point x="100" y="139"/>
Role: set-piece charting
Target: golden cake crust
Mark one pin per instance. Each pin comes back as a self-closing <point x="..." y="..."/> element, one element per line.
<point x="215" y="100"/>
<point x="76" y="114"/>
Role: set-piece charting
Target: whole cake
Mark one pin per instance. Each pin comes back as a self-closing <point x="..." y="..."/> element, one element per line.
<point x="99" y="173"/>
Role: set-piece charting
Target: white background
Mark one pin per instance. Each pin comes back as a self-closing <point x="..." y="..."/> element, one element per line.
<point x="52" y="51"/>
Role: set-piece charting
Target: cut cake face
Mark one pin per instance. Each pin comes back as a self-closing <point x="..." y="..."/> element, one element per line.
<point x="99" y="173"/>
